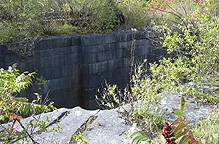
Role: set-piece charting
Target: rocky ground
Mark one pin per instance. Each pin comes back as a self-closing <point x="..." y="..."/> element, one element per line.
<point x="108" y="126"/>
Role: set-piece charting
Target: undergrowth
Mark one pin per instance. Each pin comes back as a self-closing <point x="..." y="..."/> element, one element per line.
<point x="191" y="39"/>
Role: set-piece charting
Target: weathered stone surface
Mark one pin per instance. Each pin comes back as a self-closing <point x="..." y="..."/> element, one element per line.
<point x="70" y="120"/>
<point x="193" y="111"/>
<point x="107" y="126"/>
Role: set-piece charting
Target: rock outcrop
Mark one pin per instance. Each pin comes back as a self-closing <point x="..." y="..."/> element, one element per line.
<point x="106" y="126"/>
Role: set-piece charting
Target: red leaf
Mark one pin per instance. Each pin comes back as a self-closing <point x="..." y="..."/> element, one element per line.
<point x="13" y="116"/>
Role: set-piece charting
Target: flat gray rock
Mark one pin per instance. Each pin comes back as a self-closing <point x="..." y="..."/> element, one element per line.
<point x="106" y="126"/>
<point x="193" y="111"/>
<point x="71" y="120"/>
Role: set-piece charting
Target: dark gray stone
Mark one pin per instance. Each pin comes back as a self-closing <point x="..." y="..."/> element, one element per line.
<point x="116" y="64"/>
<point x="102" y="56"/>
<point x="126" y="36"/>
<point x="65" y="70"/>
<point x="142" y="50"/>
<point x="139" y="35"/>
<point x="89" y="58"/>
<point x="142" y="42"/>
<point x="111" y="38"/>
<point x="76" y="40"/>
<point x="92" y="81"/>
<point x="90" y="94"/>
<point x="95" y="39"/>
<point x="57" y="72"/>
<point x="122" y="74"/>
<point x="67" y="41"/>
<point x="106" y="55"/>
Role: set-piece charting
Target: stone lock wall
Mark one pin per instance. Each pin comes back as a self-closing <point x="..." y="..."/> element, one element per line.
<point x="76" y="66"/>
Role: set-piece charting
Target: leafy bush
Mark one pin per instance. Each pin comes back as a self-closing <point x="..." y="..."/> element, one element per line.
<point x="12" y="108"/>
<point x="191" y="39"/>
<point x="181" y="133"/>
<point x="143" y="98"/>
<point x="95" y="16"/>
<point x="25" y="22"/>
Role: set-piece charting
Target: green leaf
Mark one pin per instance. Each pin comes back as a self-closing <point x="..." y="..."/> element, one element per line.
<point x="2" y="117"/>
<point x="178" y="121"/>
<point x="182" y="103"/>
<point x="138" y="137"/>
<point x="180" y="134"/>
<point x="137" y="140"/>
<point x="184" y="140"/>
<point x="179" y="128"/>
<point x="178" y="113"/>
<point x="20" y="99"/>
<point x="38" y="107"/>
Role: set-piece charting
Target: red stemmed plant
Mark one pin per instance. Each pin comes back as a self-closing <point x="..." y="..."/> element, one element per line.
<point x="181" y="132"/>
<point x="168" y="134"/>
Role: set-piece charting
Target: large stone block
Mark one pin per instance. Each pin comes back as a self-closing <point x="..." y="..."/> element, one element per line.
<point x="93" y="104"/>
<point x="25" y="66"/>
<point x="123" y="53"/>
<point x="76" y="40"/>
<point x="116" y="64"/>
<point x="56" y="51"/>
<point x="122" y="74"/>
<point x="71" y="59"/>
<point x="142" y="50"/>
<point x="126" y="36"/>
<point x="57" y="72"/>
<point x="48" y="62"/>
<point x="142" y="42"/>
<point x="106" y="55"/>
<point x="3" y="49"/>
<point x="92" y="48"/>
<point x="127" y="62"/>
<point x="67" y="50"/>
<point x="89" y="58"/>
<point x="59" y="61"/>
<point x="111" y="38"/>
<point x="92" y="81"/>
<point x="36" y="54"/>
<point x="11" y="59"/>
<point x="66" y="83"/>
<point x="47" y="73"/>
<point x="63" y="98"/>
<point x="95" y="39"/>
<point x="37" y="63"/>
<point x="139" y="35"/>
<point x="65" y="70"/>
<point x="2" y="61"/>
<point x="126" y="45"/>
<point x="67" y="41"/>
<point x="53" y="42"/>
<point x="98" y="67"/>
<point x="89" y="94"/>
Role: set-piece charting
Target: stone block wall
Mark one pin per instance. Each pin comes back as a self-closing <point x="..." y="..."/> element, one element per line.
<point x="76" y="66"/>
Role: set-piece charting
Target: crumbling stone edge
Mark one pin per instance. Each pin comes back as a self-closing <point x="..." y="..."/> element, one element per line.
<point x="85" y="126"/>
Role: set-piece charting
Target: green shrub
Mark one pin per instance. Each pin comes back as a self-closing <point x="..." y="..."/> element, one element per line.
<point x="192" y="40"/>
<point x="25" y="22"/>
<point x="12" y="108"/>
